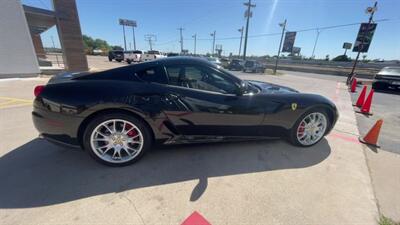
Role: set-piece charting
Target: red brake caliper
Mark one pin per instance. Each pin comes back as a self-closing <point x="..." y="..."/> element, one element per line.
<point x="300" y="131"/>
<point x="131" y="133"/>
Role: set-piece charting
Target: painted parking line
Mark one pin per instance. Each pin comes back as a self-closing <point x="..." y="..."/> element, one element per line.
<point x="8" y="102"/>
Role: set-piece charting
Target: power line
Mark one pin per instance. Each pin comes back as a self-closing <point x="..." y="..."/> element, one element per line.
<point x="298" y="31"/>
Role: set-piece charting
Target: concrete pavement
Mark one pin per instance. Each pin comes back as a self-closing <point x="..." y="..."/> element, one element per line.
<point x="267" y="182"/>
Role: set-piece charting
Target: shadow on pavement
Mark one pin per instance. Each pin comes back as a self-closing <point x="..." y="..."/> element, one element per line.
<point x="39" y="173"/>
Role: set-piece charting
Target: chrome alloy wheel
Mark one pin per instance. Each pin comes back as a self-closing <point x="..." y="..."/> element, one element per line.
<point x="116" y="141"/>
<point x="311" y="129"/>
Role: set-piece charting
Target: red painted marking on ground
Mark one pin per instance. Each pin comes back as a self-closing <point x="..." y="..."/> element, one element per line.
<point x="195" y="219"/>
<point x="344" y="137"/>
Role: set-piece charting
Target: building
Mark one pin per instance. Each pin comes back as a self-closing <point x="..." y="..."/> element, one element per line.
<point x="21" y="46"/>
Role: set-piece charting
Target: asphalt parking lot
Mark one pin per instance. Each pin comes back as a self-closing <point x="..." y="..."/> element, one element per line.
<point x="263" y="182"/>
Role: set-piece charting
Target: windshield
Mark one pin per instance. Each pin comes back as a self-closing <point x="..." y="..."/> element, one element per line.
<point x="137" y="52"/>
<point x="153" y="52"/>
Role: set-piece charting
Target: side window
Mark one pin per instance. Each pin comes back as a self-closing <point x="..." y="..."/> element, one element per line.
<point x="173" y="75"/>
<point x="200" y="78"/>
<point x="152" y="74"/>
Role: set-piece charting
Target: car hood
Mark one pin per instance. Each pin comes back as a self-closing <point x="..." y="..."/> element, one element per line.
<point x="268" y="88"/>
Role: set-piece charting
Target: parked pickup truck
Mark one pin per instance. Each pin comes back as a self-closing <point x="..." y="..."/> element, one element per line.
<point x="117" y="55"/>
<point x="151" y="55"/>
<point x="133" y="56"/>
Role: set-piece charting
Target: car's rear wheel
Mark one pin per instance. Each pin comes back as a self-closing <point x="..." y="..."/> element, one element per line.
<point x="310" y="128"/>
<point x="116" y="139"/>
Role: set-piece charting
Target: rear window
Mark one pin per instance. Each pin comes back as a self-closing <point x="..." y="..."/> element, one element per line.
<point x="118" y="52"/>
<point x="137" y="52"/>
<point x="153" y="52"/>
<point x="249" y="63"/>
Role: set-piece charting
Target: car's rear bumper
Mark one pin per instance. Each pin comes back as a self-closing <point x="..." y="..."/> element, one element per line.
<point x="57" y="127"/>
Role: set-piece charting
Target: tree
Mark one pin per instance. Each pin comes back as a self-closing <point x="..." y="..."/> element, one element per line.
<point x="91" y="44"/>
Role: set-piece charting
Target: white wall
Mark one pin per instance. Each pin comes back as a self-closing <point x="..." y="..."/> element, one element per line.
<point x="17" y="54"/>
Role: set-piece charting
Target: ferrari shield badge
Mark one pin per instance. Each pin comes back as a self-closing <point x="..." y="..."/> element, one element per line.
<point x="294" y="106"/>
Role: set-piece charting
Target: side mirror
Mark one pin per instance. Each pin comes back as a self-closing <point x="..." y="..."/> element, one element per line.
<point x="241" y="89"/>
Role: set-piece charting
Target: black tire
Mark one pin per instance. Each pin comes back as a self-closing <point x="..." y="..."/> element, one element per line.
<point x="147" y="137"/>
<point x="129" y="61"/>
<point x="118" y="60"/>
<point x="109" y="59"/>
<point x="292" y="137"/>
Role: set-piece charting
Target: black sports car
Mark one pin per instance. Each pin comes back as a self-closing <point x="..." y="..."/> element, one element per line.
<point x="116" y="115"/>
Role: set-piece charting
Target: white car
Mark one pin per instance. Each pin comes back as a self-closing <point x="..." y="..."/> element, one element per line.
<point x="215" y="61"/>
<point x="151" y="55"/>
<point x="133" y="56"/>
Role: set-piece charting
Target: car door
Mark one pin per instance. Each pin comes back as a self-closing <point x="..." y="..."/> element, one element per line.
<point x="208" y="103"/>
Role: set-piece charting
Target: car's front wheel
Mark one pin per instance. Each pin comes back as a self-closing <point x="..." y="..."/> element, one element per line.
<point x="116" y="139"/>
<point x="310" y="128"/>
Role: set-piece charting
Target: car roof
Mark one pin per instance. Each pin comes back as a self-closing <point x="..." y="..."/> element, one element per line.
<point x="180" y="60"/>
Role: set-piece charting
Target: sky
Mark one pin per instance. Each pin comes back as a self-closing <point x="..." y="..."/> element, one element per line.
<point x="99" y="19"/>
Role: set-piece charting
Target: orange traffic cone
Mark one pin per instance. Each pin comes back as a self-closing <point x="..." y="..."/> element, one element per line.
<point x="372" y="136"/>
<point x="353" y="85"/>
<point x="361" y="98"/>
<point x="366" y="107"/>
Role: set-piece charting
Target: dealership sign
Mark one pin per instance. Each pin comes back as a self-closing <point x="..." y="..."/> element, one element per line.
<point x="296" y="50"/>
<point x="364" y="37"/>
<point x="347" y="45"/>
<point x="289" y="42"/>
<point x="130" y="23"/>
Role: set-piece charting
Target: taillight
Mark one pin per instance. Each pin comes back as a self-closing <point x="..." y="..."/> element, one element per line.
<point x="38" y="89"/>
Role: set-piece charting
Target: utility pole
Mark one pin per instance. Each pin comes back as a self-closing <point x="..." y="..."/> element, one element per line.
<point x="283" y="25"/>
<point x="195" y="39"/>
<point x="360" y="47"/>
<point x="150" y="38"/>
<point x="181" y="41"/>
<point x="247" y="14"/>
<point x="213" y="46"/>
<point x="54" y="49"/>
<point x="315" y="44"/>
<point x="123" y="28"/>
<point x="241" y="37"/>
<point x="134" y="40"/>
